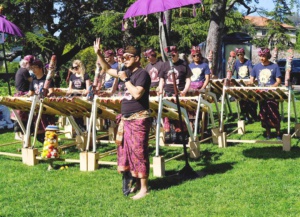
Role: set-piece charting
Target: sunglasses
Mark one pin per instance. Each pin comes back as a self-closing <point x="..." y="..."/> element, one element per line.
<point x="126" y="58"/>
<point x="149" y="56"/>
<point x="239" y="54"/>
<point x="173" y="55"/>
<point x="196" y="55"/>
<point x="74" y="67"/>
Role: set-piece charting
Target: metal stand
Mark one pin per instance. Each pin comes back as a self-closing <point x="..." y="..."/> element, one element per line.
<point x="4" y="55"/>
<point x="187" y="171"/>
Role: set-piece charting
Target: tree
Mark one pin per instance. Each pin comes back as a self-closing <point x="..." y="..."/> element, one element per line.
<point x="219" y="10"/>
<point x="52" y="25"/>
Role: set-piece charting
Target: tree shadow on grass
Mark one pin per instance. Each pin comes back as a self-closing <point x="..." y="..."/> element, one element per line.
<point x="174" y="178"/>
<point x="272" y="152"/>
<point x="5" y="130"/>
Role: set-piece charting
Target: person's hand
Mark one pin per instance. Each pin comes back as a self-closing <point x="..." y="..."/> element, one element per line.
<point x="85" y="92"/>
<point x="159" y="91"/>
<point x="69" y="92"/>
<point x="102" y="74"/>
<point x="213" y="76"/>
<point x="249" y="83"/>
<point x="97" y="44"/>
<point x="182" y="93"/>
<point x="122" y="75"/>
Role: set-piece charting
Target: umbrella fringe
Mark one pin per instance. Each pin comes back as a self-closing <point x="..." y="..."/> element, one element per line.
<point x="123" y="29"/>
<point x="194" y="10"/>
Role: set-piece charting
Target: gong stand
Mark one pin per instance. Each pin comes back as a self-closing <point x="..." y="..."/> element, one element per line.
<point x="187" y="171"/>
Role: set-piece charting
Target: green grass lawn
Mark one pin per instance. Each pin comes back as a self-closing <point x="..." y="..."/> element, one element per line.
<point x="240" y="180"/>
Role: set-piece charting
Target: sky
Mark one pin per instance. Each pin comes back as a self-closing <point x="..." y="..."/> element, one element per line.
<point x="266" y="4"/>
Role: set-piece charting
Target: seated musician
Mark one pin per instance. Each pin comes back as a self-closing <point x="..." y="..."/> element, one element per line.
<point x="267" y="74"/>
<point x="36" y="88"/>
<point x="154" y="66"/>
<point x="106" y="80"/>
<point x="200" y="78"/>
<point x="183" y="75"/>
<point x="200" y="70"/>
<point x="242" y="69"/>
<point x="118" y="85"/>
<point x="79" y="80"/>
<point x="79" y="85"/>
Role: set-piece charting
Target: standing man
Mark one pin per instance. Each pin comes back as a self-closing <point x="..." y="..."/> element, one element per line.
<point x="35" y="88"/>
<point x="242" y="68"/>
<point x="134" y="128"/>
<point x="199" y="80"/>
<point x="183" y="76"/>
<point x="154" y="66"/>
<point x="200" y="70"/>
<point x="22" y="79"/>
<point x="267" y="74"/>
<point x="118" y="84"/>
<point x="107" y="79"/>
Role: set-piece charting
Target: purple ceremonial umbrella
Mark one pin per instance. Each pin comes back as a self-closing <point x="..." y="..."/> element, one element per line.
<point x="145" y="7"/>
<point x="7" y="27"/>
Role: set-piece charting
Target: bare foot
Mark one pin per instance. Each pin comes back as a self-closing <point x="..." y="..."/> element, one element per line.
<point x="140" y="195"/>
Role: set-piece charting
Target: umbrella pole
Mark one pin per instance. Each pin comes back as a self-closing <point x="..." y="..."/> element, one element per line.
<point x="9" y="91"/>
<point x="187" y="171"/>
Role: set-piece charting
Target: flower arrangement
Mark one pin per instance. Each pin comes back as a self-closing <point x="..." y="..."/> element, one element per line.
<point x="50" y="148"/>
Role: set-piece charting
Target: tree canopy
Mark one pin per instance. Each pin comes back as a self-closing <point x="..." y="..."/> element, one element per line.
<point x="65" y="28"/>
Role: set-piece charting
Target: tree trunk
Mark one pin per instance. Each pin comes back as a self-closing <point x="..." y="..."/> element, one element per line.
<point x="164" y="32"/>
<point x="215" y="33"/>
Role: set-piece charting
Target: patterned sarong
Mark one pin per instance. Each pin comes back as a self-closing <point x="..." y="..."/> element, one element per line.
<point x="269" y="114"/>
<point x="177" y="125"/>
<point x="133" y="152"/>
<point x="249" y="108"/>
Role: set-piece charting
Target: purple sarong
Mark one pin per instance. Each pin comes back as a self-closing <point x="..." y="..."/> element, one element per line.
<point x="133" y="154"/>
<point x="196" y="85"/>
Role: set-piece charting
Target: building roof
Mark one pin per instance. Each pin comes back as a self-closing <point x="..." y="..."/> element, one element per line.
<point x="260" y="21"/>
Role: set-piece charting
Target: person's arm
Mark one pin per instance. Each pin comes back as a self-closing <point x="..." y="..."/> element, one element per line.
<point x="250" y="67"/>
<point x="277" y="83"/>
<point x="50" y="91"/>
<point x="160" y="87"/>
<point x="252" y="76"/>
<point x="186" y="87"/>
<point x="114" y="87"/>
<point x="205" y="82"/>
<point x="30" y="93"/>
<point x="87" y="86"/>
<point x="70" y="90"/>
<point x="31" y="90"/>
<point x="251" y="81"/>
<point x="105" y="66"/>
